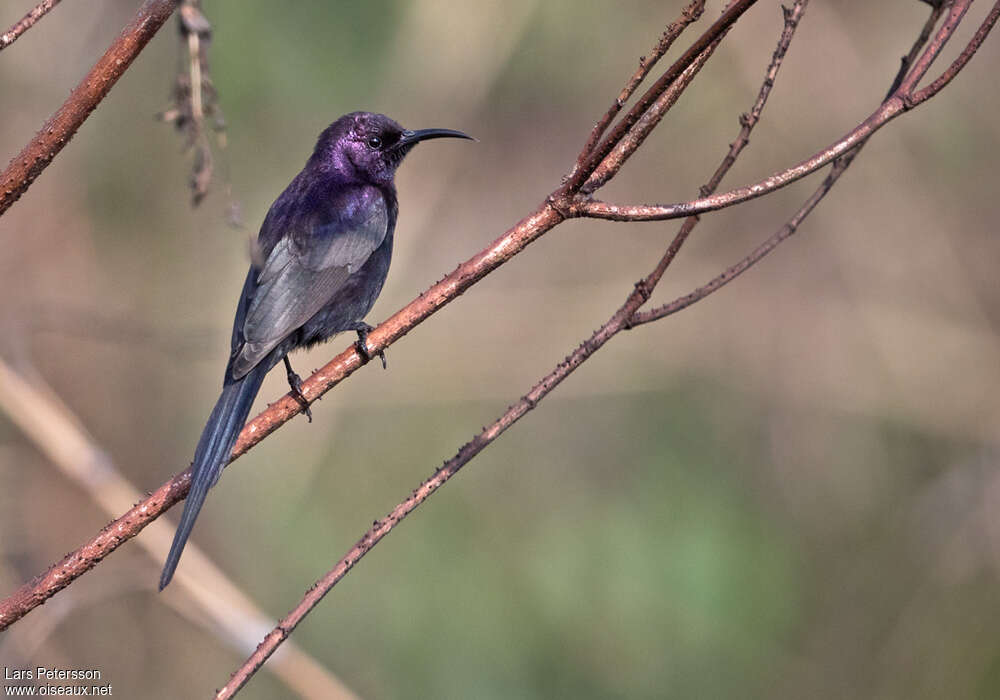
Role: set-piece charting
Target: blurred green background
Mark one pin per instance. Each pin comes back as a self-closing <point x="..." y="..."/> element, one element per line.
<point x="789" y="490"/>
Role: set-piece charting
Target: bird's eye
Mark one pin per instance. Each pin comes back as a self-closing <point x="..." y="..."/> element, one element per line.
<point x="374" y="142"/>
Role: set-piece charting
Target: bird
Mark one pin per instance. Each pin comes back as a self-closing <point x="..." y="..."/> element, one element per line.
<point x="317" y="266"/>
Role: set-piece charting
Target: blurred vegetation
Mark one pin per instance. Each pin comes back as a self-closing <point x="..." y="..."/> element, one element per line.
<point x="788" y="490"/>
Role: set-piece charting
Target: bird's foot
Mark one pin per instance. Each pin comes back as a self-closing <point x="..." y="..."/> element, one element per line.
<point x="295" y="382"/>
<point x="363" y="329"/>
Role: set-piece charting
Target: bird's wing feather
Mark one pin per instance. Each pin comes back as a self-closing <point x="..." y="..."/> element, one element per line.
<point x="302" y="274"/>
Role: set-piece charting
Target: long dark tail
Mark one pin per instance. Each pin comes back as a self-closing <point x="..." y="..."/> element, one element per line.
<point x="212" y="454"/>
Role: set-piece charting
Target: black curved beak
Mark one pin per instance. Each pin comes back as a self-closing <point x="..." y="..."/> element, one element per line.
<point x="411" y="137"/>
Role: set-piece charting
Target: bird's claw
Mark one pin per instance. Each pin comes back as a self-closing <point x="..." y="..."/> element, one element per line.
<point x="361" y="345"/>
<point x="295" y="382"/>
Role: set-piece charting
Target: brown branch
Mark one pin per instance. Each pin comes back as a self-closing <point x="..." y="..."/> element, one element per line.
<point x="933" y="50"/>
<point x="937" y="8"/>
<point x="755" y="256"/>
<point x="902" y="83"/>
<point x="580" y="174"/>
<point x="59" y="129"/>
<point x="620" y="320"/>
<point x="963" y="58"/>
<point x="26" y="22"/>
<point x="902" y="100"/>
<point x="690" y="14"/>
<point x="635" y="137"/>
<point x="597" y="209"/>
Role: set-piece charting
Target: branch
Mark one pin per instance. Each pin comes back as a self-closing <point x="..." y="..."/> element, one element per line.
<point x="839" y="166"/>
<point x="937" y="8"/>
<point x="963" y="58"/>
<point x="902" y="100"/>
<point x="933" y="50"/>
<point x="26" y="23"/>
<point x="636" y="135"/>
<point x="597" y="209"/>
<point x="734" y="271"/>
<point x="838" y="169"/>
<point x="61" y="126"/>
<point x="721" y="25"/>
<point x="619" y="321"/>
<point x="691" y="13"/>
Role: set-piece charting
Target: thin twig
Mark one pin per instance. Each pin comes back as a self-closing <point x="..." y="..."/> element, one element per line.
<point x="758" y="253"/>
<point x="901" y="101"/>
<point x="619" y="321"/>
<point x="839" y="166"/>
<point x="719" y="27"/>
<point x="61" y="126"/>
<point x="937" y="8"/>
<point x="195" y="101"/>
<point x="613" y="162"/>
<point x="26" y="22"/>
<point x="690" y="14"/>
<point x="597" y="209"/>
<point x="955" y="14"/>
<point x="963" y="58"/>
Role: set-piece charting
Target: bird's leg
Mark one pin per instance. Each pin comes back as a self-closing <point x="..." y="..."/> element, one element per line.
<point x="362" y="329"/>
<point x="295" y="382"/>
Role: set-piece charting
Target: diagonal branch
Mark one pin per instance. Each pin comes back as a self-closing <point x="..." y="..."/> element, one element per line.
<point x="620" y="320"/>
<point x="25" y="23"/>
<point x="933" y="50"/>
<point x="734" y="271"/>
<point x="691" y="13"/>
<point x="906" y="63"/>
<point x="635" y="136"/>
<point x="721" y="25"/>
<point x="61" y="126"/>
<point x="963" y="58"/>
<point x="597" y="209"/>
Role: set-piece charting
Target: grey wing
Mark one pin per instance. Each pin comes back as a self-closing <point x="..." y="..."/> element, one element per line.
<point x="300" y="276"/>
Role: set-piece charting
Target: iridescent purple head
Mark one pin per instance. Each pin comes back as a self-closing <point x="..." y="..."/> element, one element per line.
<point x="368" y="147"/>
